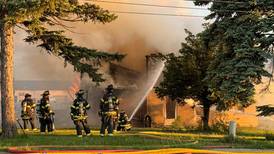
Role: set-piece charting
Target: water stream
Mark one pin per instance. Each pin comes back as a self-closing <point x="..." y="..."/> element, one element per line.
<point x="152" y="80"/>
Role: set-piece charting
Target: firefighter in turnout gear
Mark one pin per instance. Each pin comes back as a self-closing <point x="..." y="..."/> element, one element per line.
<point x="28" y="112"/>
<point x="110" y="91"/>
<point x="45" y="113"/>
<point x="108" y="112"/>
<point x="79" y="114"/>
<point x="123" y="122"/>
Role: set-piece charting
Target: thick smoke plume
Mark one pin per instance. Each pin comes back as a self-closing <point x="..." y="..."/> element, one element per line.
<point x="134" y="35"/>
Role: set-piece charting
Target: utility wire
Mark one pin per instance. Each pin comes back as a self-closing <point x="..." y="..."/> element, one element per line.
<point x="151" y="5"/>
<point x="168" y="14"/>
<point x="155" y="5"/>
<point x="157" y="14"/>
<point x="217" y="1"/>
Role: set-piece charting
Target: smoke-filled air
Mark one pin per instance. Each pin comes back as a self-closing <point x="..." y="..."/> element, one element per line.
<point x="135" y="35"/>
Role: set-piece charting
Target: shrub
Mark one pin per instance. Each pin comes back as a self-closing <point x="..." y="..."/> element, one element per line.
<point x="177" y="123"/>
<point x="269" y="136"/>
<point x="220" y="124"/>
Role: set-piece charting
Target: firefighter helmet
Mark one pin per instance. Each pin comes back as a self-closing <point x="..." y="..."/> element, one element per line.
<point x="27" y="95"/>
<point x="46" y="93"/>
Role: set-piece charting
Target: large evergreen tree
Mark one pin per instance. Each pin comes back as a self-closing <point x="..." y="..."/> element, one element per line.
<point x="242" y="34"/>
<point x="36" y="17"/>
<point x="240" y="38"/>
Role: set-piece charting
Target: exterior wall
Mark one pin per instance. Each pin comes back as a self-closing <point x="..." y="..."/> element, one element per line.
<point x="156" y="109"/>
<point x="60" y="103"/>
<point x="57" y="95"/>
<point x="187" y="115"/>
<point x="246" y="118"/>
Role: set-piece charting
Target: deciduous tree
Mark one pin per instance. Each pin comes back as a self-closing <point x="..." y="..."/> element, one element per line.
<point x="185" y="73"/>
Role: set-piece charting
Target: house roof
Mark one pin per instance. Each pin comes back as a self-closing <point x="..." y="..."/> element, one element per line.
<point x="41" y="85"/>
<point x="129" y="73"/>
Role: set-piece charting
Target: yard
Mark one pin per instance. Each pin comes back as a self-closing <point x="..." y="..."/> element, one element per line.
<point x="138" y="139"/>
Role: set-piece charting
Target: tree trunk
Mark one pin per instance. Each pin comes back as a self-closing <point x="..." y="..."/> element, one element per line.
<point x="7" y="94"/>
<point x="206" y="110"/>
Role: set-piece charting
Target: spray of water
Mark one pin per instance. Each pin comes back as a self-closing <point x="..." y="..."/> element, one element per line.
<point x="148" y="88"/>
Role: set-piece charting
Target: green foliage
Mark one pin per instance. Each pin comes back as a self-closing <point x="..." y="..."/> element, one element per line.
<point x="269" y="136"/>
<point x="230" y="139"/>
<point x="177" y="123"/>
<point x="184" y="73"/>
<point x="240" y="37"/>
<point x="265" y="110"/>
<point x="36" y="17"/>
<point x="222" y="64"/>
<point x="219" y="125"/>
<point x="153" y="139"/>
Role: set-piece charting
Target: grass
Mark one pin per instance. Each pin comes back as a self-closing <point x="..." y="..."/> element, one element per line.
<point x="139" y="139"/>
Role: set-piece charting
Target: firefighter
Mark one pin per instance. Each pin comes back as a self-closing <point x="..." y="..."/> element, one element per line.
<point x="108" y="112"/>
<point x="110" y="91"/>
<point x="79" y="113"/>
<point x="45" y="114"/>
<point x="123" y="122"/>
<point x="28" y="112"/>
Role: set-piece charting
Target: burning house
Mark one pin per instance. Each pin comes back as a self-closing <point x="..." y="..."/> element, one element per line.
<point x="155" y="112"/>
<point x="137" y="98"/>
<point x="147" y="112"/>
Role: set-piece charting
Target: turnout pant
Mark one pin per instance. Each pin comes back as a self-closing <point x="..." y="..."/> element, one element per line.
<point x="80" y="125"/>
<point x="27" y="121"/>
<point x="115" y="123"/>
<point x="107" y="123"/>
<point x="121" y="127"/>
<point x="46" y="123"/>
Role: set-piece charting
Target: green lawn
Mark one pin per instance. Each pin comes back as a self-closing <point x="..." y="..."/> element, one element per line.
<point x="139" y="139"/>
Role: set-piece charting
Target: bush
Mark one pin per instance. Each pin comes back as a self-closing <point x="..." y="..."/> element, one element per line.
<point x="177" y="123"/>
<point x="230" y="139"/>
<point x="269" y="136"/>
<point x="220" y="124"/>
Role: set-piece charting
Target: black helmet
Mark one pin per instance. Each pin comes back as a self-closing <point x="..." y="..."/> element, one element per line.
<point x="109" y="87"/>
<point x="123" y="112"/>
<point x="81" y="92"/>
<point x="27" y="95"/>
<point x="46" y="93"/>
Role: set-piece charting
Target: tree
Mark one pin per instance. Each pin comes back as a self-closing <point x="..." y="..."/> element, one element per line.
<point x="242" y="36"/>
<point x="36" y="17"/>
<point x="184" y="74"/>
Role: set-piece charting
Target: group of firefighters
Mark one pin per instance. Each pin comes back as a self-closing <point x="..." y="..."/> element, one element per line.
<point x="111" y="118"/>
